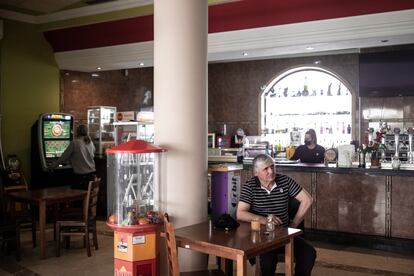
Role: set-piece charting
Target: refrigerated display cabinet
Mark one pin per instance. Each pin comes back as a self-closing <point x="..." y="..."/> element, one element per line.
<point x="127" y="131"/>
<point x="101" y="128"/>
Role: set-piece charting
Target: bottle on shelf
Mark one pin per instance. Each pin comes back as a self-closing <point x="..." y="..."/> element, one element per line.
<point x="329" y="93"/>
<point x="305" y="91"/>
<point x="339" y="90"/>
<point x="348" y="129"/>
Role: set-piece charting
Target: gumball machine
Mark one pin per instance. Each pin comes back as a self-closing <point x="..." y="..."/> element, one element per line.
<point x="134" y="205"/>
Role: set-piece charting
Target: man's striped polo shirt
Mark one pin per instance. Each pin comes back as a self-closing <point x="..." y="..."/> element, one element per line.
<point x="262" y="202"/>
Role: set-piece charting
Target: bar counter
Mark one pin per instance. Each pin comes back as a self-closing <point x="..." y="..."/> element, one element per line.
<point x="366" y="207"/>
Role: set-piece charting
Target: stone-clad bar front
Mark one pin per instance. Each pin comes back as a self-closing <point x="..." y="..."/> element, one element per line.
<point x="366" y="207"/>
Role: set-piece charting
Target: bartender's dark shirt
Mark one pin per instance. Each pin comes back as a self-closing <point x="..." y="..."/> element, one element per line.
<point x="306" y="155"/>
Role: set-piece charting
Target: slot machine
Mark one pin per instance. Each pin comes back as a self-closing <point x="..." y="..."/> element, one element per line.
<point x="51" y="135"/>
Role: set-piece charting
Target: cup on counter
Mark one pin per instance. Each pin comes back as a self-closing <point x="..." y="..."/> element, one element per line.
<point x="255" y="224"/>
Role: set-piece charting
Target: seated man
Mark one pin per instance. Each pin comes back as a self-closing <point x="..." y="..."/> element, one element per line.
<point x="268" y="193"/>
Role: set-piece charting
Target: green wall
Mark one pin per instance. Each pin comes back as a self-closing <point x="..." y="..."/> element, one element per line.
<point x="29" y="86"/>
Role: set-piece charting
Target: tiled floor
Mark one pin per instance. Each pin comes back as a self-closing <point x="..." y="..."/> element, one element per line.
<point x="331" y="260"/>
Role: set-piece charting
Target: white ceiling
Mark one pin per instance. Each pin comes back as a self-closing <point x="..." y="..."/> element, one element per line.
<point x="341" y="35"/>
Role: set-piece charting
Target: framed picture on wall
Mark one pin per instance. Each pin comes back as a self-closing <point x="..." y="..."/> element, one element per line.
<point x="211" y="140"/>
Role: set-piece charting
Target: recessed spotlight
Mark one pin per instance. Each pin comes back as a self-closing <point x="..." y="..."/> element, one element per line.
<point x="245" y="54"/>
<point x="309" y="48"/>
<point x="141" y="64"/>
<point x="384" y="40"/>
<point x="95" y="75"/>
<point x="98" y="68"/>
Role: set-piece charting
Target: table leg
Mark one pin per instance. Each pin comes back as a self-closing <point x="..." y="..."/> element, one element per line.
<point x="13" y="210"/>
<point x="289" y="258"/>
<point x="241" y="266"/>
<point x="85" y="201"/>
<point x="42" y="227"/>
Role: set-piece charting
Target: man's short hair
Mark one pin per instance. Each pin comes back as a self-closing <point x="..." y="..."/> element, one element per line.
<point x="261" y="159"/>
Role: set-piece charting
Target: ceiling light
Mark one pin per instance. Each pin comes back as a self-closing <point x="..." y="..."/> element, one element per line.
<point x="141" y="64"/>
<point x="245" y="54"/>
<point x="98" y="68"/>
<point x="95" y="75"/>
<point x="309" y="48"/>
<point x="317" y="62"/>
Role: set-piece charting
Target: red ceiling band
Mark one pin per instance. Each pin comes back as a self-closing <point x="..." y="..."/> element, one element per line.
<point x="231" y="16"/>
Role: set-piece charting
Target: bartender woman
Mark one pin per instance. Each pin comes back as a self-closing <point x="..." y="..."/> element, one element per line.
<point x="310" y="152"/>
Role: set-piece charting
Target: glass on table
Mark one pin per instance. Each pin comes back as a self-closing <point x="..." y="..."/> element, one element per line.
<point x="255" y="224"/>
<point x="270" y="226"/>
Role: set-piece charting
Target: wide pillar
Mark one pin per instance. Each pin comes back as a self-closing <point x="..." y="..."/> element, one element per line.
<point x="180" y="106"/>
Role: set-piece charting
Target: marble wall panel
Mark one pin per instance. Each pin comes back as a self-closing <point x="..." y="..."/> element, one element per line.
<point x="327" y="214"/>
<point x="349" y="216"/>
<point x="123" y="89"/>
<point x="351" y="203"/>
<point x="304" y="180"/>
<point x="234" y="91"/>
<point x="235" y="87"/>
<point x="373" y="219"/>
<point x="402" y="222"/>
<point x="402" y="207"/>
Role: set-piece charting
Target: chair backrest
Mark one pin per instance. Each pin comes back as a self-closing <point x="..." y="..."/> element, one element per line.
<point x="92" y="200"/>
<point x="172" y="256"/>
<point x="3" y="203"/>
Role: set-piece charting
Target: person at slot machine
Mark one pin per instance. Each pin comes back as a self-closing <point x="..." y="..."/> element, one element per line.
<point x="79" y="153"/>
<point x="310" y="152"/>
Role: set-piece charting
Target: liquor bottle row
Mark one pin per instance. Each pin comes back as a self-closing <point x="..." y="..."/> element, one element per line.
<point x="305" y="92"/>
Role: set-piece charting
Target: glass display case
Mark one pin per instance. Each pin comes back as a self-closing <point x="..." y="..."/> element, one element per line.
<point x="100" y="127"/>
<point x="146" y="131"/>
<point x="127" y="131"/>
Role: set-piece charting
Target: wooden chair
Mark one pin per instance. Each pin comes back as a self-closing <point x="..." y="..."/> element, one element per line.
<point x="25" y="217"/>
<point x="9" y="228"/>
<point x="173" y="267"/>
<point x="82" y="227"/>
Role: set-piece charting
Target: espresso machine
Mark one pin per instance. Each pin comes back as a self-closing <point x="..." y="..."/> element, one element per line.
<point x="410" y="132"/>
<point x="397" y="145"/>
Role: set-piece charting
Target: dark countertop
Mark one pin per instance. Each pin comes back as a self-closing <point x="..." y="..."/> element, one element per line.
<point x="307" y="167"/>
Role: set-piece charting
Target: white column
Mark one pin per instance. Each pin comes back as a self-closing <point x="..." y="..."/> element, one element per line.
<point x="180" y="106"/>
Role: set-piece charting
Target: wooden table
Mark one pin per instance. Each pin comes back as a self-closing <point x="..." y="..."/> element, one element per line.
<point x="42" y="198"/>
<point x="238" y="245"/>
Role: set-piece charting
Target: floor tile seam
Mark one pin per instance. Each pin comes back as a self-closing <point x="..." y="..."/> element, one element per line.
<point x="361" y="269"/>
<point x="331" y="252"/>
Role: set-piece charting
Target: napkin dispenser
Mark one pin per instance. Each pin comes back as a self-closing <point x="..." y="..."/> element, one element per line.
<point x="346" y="154"/>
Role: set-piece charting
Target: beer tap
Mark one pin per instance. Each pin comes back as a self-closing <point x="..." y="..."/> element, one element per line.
<point x="370" y="136"/>
<point x="396" y="159"/>
<point x="410" y="155"/>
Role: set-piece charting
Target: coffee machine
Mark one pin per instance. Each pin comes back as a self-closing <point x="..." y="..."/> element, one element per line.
<point x="410" y="132"/>
<point x="397" y="145"/>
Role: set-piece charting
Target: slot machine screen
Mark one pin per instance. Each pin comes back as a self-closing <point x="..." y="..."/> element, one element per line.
<point x="56" y="129"/>
<point x="55" y="148"/>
